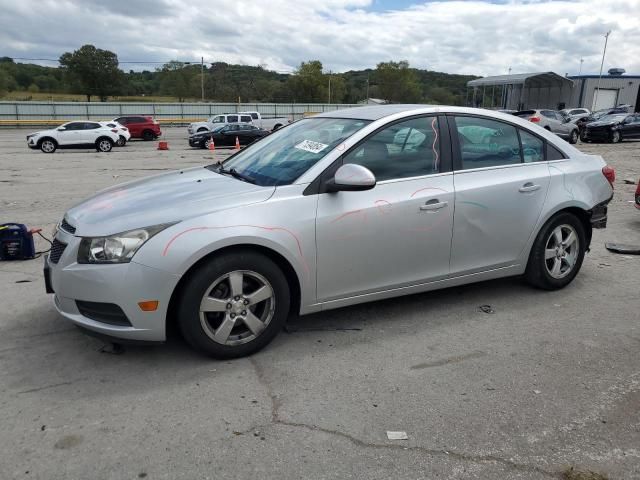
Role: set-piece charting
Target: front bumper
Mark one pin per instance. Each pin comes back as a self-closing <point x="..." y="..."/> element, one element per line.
<point x="603" y="135"/>
<point x="123" y="285"/>
<point x="195" y="142"/>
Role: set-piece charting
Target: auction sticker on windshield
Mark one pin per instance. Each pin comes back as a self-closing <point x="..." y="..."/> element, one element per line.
<point x="310" y="146"/>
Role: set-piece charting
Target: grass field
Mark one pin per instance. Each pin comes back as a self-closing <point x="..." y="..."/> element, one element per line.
<point x="25" y="96"/>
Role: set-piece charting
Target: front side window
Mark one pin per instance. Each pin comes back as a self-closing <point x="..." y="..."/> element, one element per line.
<point x="232" y="118"/>
<point x="218" y="119"/>
<point x="245" y="118"/>
<point x="532" y="147"/>
<point x="487" y="143"/>
<point x="402" y="150"/>
<point x="283" y="156"/>
<point x="254" y="116"/>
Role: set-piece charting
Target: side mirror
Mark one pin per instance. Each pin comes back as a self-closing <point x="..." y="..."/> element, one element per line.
<point x="61" y="129"/>
<point x="351" y="178"/>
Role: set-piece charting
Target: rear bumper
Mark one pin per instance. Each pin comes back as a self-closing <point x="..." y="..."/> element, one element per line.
<point x="599" y="214"/>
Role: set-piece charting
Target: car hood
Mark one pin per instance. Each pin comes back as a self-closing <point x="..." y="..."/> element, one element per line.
<point x="605" y="123"/>
<point x="164" y="198"/>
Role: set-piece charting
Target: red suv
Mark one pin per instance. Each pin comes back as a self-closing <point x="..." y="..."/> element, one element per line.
<point x="140" y="126"/>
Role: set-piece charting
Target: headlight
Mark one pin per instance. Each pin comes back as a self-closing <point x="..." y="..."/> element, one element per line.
<point x="118" y="248"/>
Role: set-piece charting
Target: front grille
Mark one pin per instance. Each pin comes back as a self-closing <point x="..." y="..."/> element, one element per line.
<point x="67" y="227"/>
<point x="103" y="312"/>
<point x="57" y="248"/>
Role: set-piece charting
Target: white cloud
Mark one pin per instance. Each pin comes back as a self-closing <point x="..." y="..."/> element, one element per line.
<point x="476" y="37"/>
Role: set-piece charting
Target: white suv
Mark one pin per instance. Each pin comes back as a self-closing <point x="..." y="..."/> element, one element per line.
<point x="83" y="134"/>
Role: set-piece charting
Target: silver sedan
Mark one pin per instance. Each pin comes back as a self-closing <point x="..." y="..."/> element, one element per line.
<point x="342" y="208"/>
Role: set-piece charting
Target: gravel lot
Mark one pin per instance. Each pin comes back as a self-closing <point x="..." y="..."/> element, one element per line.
<point x="550" y="380"/>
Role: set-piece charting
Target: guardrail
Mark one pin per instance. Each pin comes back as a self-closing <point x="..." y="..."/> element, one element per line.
<point x="54" y="113"/>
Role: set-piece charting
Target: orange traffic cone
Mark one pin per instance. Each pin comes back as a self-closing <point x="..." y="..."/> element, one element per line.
<point x="212" y="145"/>
<point x="237" y="144"/>
<point x="163" y="145"/>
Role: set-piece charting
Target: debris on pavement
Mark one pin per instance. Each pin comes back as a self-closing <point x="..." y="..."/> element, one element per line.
<point x="112" y="349"/>
<point x="486" y="309"/>
<point x="629" y="181"/>
<point x="537" y="392"/>
<point x="397" y="436"/>
<point x="623" y="248"/>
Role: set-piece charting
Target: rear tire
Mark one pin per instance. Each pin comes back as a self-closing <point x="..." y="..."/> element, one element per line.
<point x="104" y="145"/>
<point x="121" y="141"/>
<point x="557" y="253"/>
<point x="234" y="304"/>
<point x="48" y="145"/>
<point x="573" y="138"/>
<point x="148" y="135"/>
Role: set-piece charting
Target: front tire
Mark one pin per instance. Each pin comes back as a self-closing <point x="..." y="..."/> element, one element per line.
<point x="48" y="146"/>
<point x="615" y="136"/>
<point x="557" y="253"/>
<point x="234" y="304"/>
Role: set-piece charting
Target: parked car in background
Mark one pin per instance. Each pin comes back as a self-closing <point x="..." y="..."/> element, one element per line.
<point x="123" y="132"/>
<point x="553" y="121"/>
<point x="218" y="121"/>
<point x="267" y="123"/>
<point x="598" y="114"/>
<point x="226" y="135"/>
<point x="576" y="113"/>
<point x="82" y="134"/>
<point x="140" y="126"/>
<point x="613" y="128"/>
<point x="333" y="210"/>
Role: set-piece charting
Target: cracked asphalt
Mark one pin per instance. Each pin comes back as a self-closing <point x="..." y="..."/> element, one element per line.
<point x="547" y="381"/>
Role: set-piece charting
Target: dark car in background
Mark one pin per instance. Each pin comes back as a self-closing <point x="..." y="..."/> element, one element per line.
<point x="613" y="128"/>
<point x="597" y="115"/>
<point x="140" y="126"/>
<point x="225" y="136"/>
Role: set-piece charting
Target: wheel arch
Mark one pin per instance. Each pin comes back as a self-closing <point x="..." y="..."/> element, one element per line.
<point x="287" y="268"/>
<point x="47" y="137"/>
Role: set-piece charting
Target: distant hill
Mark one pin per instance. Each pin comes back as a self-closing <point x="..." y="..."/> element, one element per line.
<point x="223" y="83"/>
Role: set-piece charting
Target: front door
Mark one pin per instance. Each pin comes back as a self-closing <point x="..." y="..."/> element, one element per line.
<point x="500" y="187"/>
<point x="631" y="127"/>
<point x="72" y="134"/>
<point x="398" y="233"/>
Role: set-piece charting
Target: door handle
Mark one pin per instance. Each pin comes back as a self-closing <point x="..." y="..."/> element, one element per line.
<point x="528" y="187"/>
<point x="432" y="205"/>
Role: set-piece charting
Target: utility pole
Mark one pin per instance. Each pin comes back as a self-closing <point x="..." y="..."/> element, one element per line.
<point x="604" y="52"/>
<point x="329" y="87"/>
<point x="202" y="77"/>
<point x="581" y="62"/>
<point x="367" y="88"/>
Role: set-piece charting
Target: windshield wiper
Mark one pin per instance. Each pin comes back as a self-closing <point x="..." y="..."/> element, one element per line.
<point x="235" y="174"/>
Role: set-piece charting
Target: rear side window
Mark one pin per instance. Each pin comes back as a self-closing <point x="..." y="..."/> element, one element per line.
<point x="487" y="143"/>
<point x="402" y="150"/>
<point x="553" y="153"/>
<point x="232" y="118"/>
<point x="532" y="147"/>
<point x="245" y="118"/>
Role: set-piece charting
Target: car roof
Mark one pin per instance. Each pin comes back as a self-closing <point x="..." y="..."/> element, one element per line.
<point x="372" y="112"/>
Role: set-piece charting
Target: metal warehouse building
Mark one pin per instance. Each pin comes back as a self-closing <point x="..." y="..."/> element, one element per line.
<point x="553" y="91"/>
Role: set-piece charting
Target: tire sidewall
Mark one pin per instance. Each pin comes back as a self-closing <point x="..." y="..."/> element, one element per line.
<point x="121" y="141"/>
<point x="48" y="140"/>
<point x="536" y="272"/>
<point x="147" y="135"/>
<point x="615" y="137"/>
<point x="574" y="137"/>
<point x="99" y="142"/>
<point x="200" y="280"/>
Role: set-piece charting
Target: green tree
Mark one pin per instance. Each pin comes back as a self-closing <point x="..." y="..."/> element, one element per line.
<point x="397" y="82"/>
<point x="308" y="84"/>
<point x="94" y="69"/>
<point x="176" y="80"/>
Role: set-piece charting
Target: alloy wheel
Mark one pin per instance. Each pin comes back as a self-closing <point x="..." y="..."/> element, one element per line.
<point x="104" y="145"/>
<point x="237" y="307"/>
<point x="48" y="146"/>
<point x="561" y="251"/>
<point x="615" y="137"/>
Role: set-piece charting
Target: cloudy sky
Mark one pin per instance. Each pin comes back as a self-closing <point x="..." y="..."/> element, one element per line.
<point x="480" y="37"/>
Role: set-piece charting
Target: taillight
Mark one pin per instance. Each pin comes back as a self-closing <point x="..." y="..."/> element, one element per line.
<point x="609" y="173"/>
<point x="114" y="130"/>
<point x="124" y="129"/>
<point x="534" y="119"/>
<point x="638" y="195"/>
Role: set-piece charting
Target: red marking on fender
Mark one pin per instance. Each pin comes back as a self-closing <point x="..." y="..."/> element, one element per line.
<point x="383" y="206"/>
<point x="428" y="188"/>
<point x="105" y="203"/>
<point x="433" y="147"/>
<point x="263" y="227"/>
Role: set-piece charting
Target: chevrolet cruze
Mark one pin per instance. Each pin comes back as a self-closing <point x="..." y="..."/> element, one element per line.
<point x="342" y="208"/>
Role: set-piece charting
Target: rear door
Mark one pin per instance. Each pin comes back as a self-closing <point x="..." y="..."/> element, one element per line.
<point x="500" y="188"/>
<point x="553" y="121"/>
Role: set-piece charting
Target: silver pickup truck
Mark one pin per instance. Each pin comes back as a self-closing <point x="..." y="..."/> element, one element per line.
<point x="267" y="123"/>
<point x="219" y="120"/>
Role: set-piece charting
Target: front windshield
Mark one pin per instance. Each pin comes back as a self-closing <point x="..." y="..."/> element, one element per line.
<point x="281" y="157"/>
<point x="613" y="118"/>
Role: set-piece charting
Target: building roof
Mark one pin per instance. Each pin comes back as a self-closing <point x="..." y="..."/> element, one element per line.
<point x="604" y="76"/>
<point x="536" y="79"/>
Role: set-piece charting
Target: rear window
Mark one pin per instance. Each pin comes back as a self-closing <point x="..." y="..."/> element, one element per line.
<point x="525" y="113"/>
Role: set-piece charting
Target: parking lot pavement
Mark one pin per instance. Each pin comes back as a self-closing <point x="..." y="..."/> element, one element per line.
<point x="548" y="381"/>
